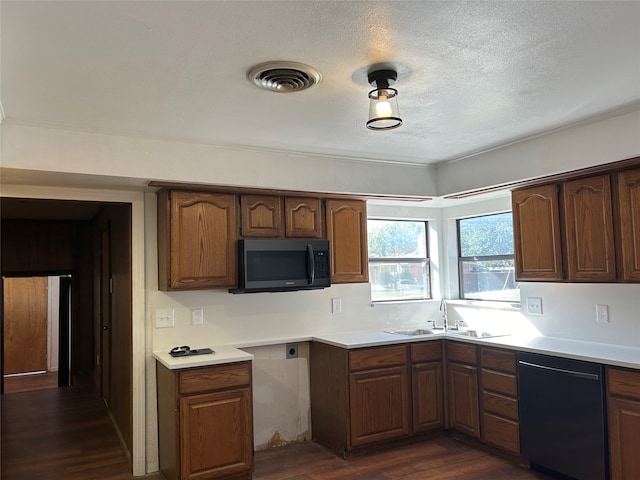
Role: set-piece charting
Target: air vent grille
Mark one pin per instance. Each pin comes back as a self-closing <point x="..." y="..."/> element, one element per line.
<point x="283" y="77"/>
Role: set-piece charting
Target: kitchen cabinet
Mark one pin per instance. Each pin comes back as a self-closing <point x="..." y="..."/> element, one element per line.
<point x="629" y="209"/>
<point x="623" y="399"/>
<point x="462" y="384"/>
<point x="261" y="216"/>
<point x="588" y="229"/>
<point x="579" y="230"/>
<point x="359" y="397"/>
<point x="499" y="399"/>
<point x="303" y="217"/>
<point x="205" y="422"/>
<point x="347" y="233"/>
<point x="536" y="233"/>
<point x="426" y="386"/>
<point x="196" y="240"/>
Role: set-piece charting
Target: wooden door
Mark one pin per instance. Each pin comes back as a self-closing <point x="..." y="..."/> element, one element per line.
<point x="378" y="405"/>
<point x="590" y="246"/>
<point x="203" y="233"/>
<point x="216" y="435"/>
<point x="347" y="233"/>
<point x="536" y="232"/>
<point x="629" y="208"/>
<point x="428" y="405"/>
<point x="463" y="398"/>
<point x="26" y="304"/>
<point x="624" y="438"/>
<point x="105" y="314"/>
<point x="261" y="216"/>
<point x="303" y="217"/>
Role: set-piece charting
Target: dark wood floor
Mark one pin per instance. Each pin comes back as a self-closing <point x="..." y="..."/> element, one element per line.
<point x="65" y="434"/>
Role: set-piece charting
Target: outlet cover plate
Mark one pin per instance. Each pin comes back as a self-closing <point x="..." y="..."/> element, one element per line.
<point x="534" y="305"/>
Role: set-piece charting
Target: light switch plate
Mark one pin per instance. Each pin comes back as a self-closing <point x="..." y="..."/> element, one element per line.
<point x="165" y="318"/>
<point x="336" y="305"/>
<point x="197" y="316"/>
<point x="534" y="305"/>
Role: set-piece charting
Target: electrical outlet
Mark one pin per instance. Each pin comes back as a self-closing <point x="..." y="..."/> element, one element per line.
<point x="197" y="316"/>
<point x="165" y="318"/>
<point x="336" y="305"/>
<point x="602" y="313"/>
<point x="534" y="305"/>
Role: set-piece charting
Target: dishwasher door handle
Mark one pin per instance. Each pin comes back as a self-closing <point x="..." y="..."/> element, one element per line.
<point x="587" y="376"/>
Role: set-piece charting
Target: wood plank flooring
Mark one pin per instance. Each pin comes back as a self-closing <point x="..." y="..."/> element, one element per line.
<point x="65" y="433"/>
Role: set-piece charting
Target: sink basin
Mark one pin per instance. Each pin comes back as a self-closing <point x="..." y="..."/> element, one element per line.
<point x="475" y="334"/>
<point x="413" y="332"/>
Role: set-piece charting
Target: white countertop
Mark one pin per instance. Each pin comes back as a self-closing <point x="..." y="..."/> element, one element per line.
<point x="589" y="351"/>
<point x="222" y="354"/>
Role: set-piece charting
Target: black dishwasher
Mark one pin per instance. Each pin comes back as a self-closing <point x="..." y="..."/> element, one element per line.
<point x="563" y="425"/>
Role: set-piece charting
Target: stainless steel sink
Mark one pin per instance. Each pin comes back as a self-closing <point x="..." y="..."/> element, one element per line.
<point x="475" y="334"/>
<point x="413" y="332"/>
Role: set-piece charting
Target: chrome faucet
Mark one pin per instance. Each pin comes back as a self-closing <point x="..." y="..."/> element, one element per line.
<point x="443" y="309"/>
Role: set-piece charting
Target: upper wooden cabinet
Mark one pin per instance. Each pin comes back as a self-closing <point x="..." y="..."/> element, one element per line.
<point x="303" y="217"/>
<point x="347" y="233"/>
<point x="629" y="208"/>
<point x="196" y="240"/>
<point x="536" y="233"/>
<point x="582" y="230"/>
<point x="588" y="219"/>
<point x="261" y="216"/>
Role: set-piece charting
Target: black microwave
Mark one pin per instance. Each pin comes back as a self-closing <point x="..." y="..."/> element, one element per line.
<point x="282" y="265"/>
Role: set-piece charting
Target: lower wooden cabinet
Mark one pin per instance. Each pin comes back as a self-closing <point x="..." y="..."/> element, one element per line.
<point x="205" y="422"/>
<point x="462" y="383"/>
<point x="623" y="404"/>
<point x="427" y="386"/>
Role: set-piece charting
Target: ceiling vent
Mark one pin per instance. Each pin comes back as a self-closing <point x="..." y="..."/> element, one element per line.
<point x="283" y="77"/>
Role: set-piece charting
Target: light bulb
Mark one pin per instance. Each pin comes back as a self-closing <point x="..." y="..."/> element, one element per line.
<point x="383" y="108"/>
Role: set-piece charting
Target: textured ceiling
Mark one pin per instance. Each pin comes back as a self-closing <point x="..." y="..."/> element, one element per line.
<point x="472" y="75"/>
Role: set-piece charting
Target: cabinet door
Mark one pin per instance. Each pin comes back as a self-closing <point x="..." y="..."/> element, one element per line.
<point x="261" y="216"/>
<point x="536" y="232"/>
<point x="624" y="438"/>
<point x="202" y="246"/>
<point x="428" y="405"/>
<point x="303" y="217"/>
<point x="629" y="208"/>
<point x="463" y="398"/>
<point x="217" y="435"/>
<point x="347" y="233"/>
<point x="378" y="405"/>
<point x="590" y="246"/>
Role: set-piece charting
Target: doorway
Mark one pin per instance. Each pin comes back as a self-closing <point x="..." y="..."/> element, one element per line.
<point x="37" y="318"/>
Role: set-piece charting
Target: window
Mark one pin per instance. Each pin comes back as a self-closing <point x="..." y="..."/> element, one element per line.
<point x="398" y="260"/>
<point x="485" y="258"/>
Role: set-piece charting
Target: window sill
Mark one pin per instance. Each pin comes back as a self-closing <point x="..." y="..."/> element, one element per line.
<point x="488" y="304"/>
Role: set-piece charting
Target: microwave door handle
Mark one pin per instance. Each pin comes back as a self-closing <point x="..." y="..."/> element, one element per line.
<point x="311" y="272"/>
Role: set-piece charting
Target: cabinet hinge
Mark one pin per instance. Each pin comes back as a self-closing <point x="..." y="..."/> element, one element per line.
<point x="177" y="404"/>
<point x="169" y="195"/>
<point x="110" y="285"/>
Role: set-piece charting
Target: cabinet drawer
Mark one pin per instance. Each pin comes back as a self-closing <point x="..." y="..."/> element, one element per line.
<point x="504" y="383"/>
<point x="500" y="405"/>
<point x="462" y="352"/>
<point x="624" y="383"/>
<point x="217" y="377"/>
<point x="500" y="360"/>
<point x="377" y="357"/>
<point x="426" y="352"/>
<point x="501" y="433"/>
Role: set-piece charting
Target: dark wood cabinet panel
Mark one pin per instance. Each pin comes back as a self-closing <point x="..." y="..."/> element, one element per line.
<point x="588" y="218"/>
<point x="464" y="413"/>
<point x="347" y="232"/>
<point x="377" y="357"/>
<point x="629" y="210"/>
<point x="261" y="216"/>
<point x="428" y="397"/>
<point x="208" y="435"/>
<point x="501" y="432"/>
<point x="536" y="231"/>
<point x="196" y="240"/>
<point x="378" y="405"/>
<point x="623" y="406"/>
<point x="303" y="217"/>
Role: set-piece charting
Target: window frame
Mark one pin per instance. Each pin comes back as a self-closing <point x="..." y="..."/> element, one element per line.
<point x="394" y="260"/>
<point x="462" y="259"/>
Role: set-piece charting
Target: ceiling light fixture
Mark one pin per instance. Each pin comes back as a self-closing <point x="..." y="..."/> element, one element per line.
<point x="383" y="101"/>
